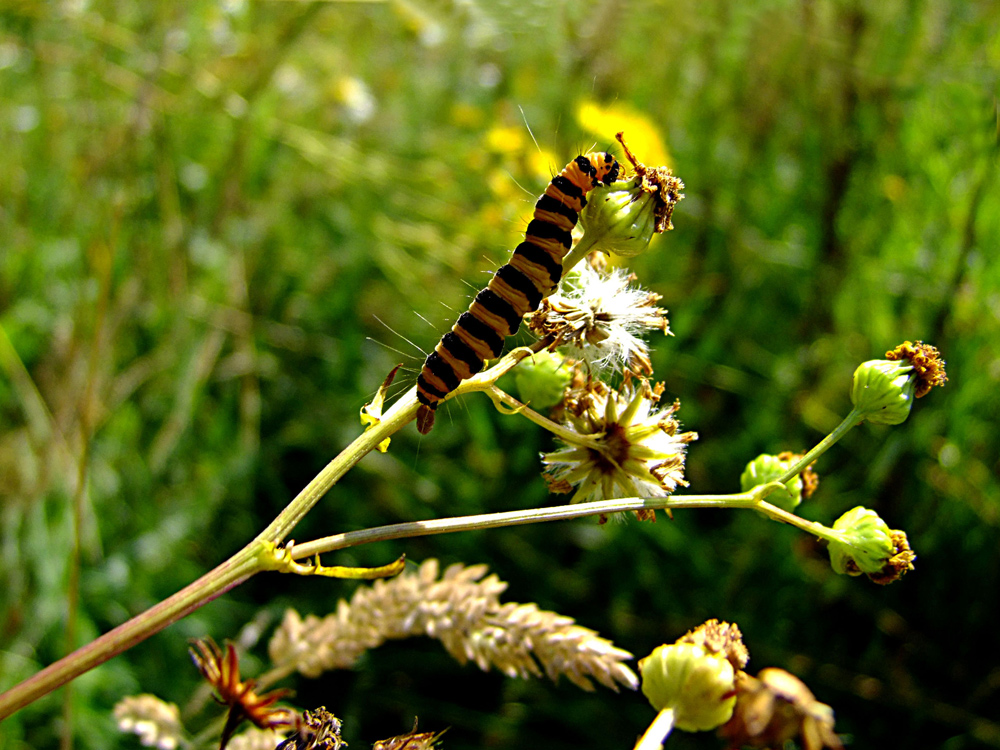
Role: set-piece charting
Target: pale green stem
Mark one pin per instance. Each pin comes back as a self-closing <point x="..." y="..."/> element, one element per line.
<point x="752" y="499"/>
<point x="658" y="731"/>
<point x="581" y="250"/>
<point x="563" y="433"/>
<point x="247" y="562"/>
<point x="850" y="421"/>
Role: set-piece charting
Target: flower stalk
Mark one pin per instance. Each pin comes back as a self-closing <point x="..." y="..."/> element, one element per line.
<point x="256" y="557"/>
<point x="852" y="420"/>
<point x="743" y="500"/>
<point x="657" y="732"/>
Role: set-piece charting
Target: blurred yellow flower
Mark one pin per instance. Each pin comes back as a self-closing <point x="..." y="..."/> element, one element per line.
<point x="640" y="133"/>
<point x="543" y="164"/>
<point x="356" y="98"/>
<point x="505" y="140"/>
<point x="502" y="186"/>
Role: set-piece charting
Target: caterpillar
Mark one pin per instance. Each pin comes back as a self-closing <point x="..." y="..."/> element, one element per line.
<point x="517" y="288"/>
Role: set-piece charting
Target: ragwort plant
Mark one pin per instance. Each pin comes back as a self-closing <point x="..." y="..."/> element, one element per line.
<point x="621" y="450"/>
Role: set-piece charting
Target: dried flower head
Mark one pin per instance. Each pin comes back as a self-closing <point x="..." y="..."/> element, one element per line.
<point x="899" y="564"/>
<point x="927" y="365"/>
<point x="222" y="670"/>
<point x="775" y="707"/>
<point x="720" y="638"/>
<point x="317" y="730"/>
<point x="156" y="722"/>
<point x="622" y="218"/>
<point x="661" y="183"/>
<point x="462" y="609"/>
<point x="412" y="740"/>
<point x="599" y="317"/>
<point x="622" y="444"/>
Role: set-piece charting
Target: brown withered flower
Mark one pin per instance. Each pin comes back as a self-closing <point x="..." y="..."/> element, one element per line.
<point x="926" y="361"/>
<point x="721" y="638"/>
<point x="900" y="563"/>
<point x="775" y="707"/>
<point x="222" y="670"/>
<point x="317" y="730"/>
<point x="412" y="740"/>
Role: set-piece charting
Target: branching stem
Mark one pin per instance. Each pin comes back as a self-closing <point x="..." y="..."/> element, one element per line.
<point x="254" y="558"/>
<point x="249" y="561"/>
<point x="752" y="499"/>
<point x="850" y="421"/>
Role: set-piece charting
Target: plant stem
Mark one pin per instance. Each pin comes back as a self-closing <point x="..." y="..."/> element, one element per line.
<point x="751" y="499"/>
<point x="253" y="558"/>
<point x="850" y="421"/>
<point x="231" y="573"/>
<point x="580" y="251"/>
<point x="658" y="731"/>
<point x="563" y="433"/>
<point x="241" y="566"/>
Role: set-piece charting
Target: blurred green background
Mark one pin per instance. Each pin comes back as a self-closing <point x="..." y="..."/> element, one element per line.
<point x="222" y="224"/>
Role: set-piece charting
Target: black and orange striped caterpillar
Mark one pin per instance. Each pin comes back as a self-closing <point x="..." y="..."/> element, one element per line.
<point x="517" y="288"/>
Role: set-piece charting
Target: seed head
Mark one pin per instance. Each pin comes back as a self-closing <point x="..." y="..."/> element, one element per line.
<point x="156" y="722"/>
<point x="624" y="444"/>
<point x="599" y="317"/>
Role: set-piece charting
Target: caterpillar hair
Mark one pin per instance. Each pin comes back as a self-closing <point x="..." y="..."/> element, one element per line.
<point x="517" y="288"/>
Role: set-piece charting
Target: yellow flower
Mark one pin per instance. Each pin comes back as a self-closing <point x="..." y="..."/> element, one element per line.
<point x="505" y="140"/>
<point x="603" y="122"/>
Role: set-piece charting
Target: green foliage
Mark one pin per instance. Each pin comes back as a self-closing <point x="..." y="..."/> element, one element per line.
<point x="221" y="225"/>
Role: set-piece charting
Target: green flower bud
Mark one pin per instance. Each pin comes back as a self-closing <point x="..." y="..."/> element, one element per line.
<point x="541" y="380"/>
<point x="766" y="468"/>
<point x="698" y="686"/>
<point x="883" y="390"/>
<point x="620" y="218"/>
<point x="865" y="543"/>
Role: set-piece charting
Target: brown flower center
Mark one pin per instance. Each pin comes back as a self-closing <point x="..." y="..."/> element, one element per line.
<point x="614" y="449"/>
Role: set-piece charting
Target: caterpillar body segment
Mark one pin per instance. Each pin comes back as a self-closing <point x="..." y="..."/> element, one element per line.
<point x="517" y="287"/>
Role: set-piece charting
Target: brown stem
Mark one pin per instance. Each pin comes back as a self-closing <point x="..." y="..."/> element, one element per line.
<point x="231" y="573"/>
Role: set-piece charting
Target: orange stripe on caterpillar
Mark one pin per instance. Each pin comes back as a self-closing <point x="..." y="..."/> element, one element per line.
<point x="517" y="288"/>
